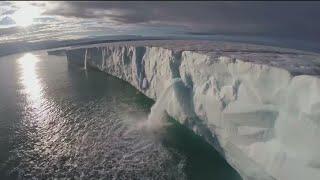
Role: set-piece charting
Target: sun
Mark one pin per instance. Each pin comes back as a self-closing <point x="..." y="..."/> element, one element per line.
<point x="25" y="15"/>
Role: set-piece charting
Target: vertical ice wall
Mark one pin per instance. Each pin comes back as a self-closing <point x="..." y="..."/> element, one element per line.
<point x="261" y="118"/>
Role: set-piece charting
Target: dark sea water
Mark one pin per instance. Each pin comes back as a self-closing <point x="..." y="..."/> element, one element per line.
<point x="59" y="121"/>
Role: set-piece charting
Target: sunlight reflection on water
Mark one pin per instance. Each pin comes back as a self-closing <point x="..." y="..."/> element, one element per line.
<point x="36" y="108"/>
<point x="29" y="78"/>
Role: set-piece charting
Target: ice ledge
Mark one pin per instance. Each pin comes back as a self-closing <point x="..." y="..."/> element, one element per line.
<point x="252" y="103"/>
<point x="296" y="62"/>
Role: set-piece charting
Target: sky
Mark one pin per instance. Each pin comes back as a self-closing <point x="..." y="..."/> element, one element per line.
<point x="37" y="21"/>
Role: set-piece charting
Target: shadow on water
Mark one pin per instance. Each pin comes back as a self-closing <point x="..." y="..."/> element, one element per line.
<point x="98" y="84"/>
<point x="203" y="161"/>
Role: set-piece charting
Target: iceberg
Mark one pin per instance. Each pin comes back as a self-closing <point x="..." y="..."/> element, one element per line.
<point x="259" y="106"/>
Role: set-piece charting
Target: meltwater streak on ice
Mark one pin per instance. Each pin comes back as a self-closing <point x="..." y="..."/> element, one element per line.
<point x="85" y="63"/>
<point x="85" y="59"/>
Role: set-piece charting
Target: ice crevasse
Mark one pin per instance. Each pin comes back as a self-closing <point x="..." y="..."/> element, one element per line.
<point x="259" y="106"/>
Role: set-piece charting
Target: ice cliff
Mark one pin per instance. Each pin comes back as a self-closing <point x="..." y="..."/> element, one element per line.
<point x="258" y="106"/>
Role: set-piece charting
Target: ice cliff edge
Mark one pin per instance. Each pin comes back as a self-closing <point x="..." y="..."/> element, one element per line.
<point x="259" y="106"/>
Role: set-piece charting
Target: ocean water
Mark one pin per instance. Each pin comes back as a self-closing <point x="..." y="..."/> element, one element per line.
<point x="59" y="121"/>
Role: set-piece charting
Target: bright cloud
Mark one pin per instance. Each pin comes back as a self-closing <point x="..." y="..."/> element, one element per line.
<point x="50" y="20"/>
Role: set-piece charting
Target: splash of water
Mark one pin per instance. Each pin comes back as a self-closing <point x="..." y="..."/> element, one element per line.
<point x="157" y="118"/>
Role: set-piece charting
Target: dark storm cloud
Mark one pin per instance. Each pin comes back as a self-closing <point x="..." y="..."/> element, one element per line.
<point x="122" y="12"/>
<point x="292" y="19"/>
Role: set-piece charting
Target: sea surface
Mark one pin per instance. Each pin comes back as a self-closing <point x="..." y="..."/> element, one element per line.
<point x="59" y="121"/>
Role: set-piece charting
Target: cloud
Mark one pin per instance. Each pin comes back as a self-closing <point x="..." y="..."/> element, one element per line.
<point x="8" y="12"/>
<point x="279" y="19"/>
<point x="6" y="8"/>
<point x="7" y="21"/>
<point x="5" y="3"/>
<point x="294" y="19"/>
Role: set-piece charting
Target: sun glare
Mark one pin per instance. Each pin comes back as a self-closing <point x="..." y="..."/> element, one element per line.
<point x="25" y="15"/>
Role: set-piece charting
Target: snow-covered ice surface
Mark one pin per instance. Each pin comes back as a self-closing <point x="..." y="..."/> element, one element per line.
<point x="258" y="105"/>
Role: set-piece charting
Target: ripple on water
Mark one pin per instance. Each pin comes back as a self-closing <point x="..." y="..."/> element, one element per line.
<point x="78" y="143"/>
<point x="71" y="124"/>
